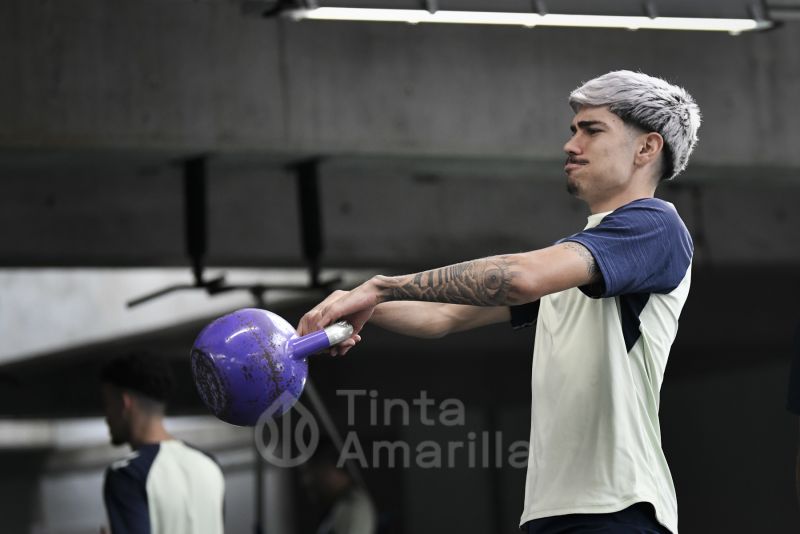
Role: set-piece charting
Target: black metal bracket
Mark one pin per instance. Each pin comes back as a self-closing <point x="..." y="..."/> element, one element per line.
<point x="650" y="9"/>
<point x="307" y="177"/>
<point x="195" y="171"/>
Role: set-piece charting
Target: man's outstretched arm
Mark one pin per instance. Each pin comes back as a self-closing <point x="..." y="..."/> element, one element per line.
<point x="503" y="280"/>
<point x="435" y="319"/>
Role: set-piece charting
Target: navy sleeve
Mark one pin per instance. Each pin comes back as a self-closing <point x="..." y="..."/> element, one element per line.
<point x="642" y="247"/>
<point x="126" y="503"/>
<point x="793" y="395"/>
<point x="524" y="315"/>
<point x="125" y="492"/>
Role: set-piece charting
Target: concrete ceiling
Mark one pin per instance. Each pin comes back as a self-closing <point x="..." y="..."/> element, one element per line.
<point x="202" y="78"/>
<point x="439" y="143"/>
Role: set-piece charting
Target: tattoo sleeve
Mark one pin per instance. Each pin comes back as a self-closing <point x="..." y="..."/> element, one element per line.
<point x="484" y="282"/>
<point x="591" y="265"/>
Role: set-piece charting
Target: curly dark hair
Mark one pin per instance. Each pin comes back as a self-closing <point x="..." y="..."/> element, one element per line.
<point x="141" y="372"/>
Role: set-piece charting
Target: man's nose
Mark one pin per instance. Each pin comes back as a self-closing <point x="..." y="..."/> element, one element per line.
<point x="571" y="147"/>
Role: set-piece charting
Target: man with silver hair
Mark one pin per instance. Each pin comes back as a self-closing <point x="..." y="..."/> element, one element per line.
<point x="605" y="302"/>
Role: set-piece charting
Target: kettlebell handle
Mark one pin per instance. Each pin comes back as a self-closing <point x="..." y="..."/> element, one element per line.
<point x="304" y="346"/>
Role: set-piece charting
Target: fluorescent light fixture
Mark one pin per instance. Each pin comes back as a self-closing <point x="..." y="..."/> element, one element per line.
<point x="416" y="16"/>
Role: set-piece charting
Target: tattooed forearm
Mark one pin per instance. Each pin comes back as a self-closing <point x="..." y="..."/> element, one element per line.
<point x="583" y="252"/>
<point x="486" y="282"/>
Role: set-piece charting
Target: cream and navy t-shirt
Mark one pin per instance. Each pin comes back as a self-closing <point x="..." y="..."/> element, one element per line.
<point x="165" y="488"/>
<point x="598" y="363"/>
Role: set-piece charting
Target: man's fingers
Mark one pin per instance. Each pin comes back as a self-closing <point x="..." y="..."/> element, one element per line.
<point x="344" y="347"/>
<point x="338" y="348"/>
<point x="316" y="318"/>
<point x="347" y="349"/>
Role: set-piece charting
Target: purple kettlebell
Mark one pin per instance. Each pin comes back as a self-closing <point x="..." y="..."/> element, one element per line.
<point x="252" y="360"/>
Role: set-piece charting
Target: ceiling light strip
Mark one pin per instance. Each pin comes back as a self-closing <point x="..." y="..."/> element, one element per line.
<point x="416" y="16"/>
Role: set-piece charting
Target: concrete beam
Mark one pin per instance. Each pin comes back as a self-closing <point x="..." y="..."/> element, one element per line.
<point x="387" y="213"/>
<point x="199" y="76"/>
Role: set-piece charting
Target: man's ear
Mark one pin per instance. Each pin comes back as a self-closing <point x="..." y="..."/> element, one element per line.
<point x="649" y="148"/>
<point x="127" y="401"/>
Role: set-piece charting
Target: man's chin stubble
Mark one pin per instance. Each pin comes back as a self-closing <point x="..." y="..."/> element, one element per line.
<point x="572" y="189"/>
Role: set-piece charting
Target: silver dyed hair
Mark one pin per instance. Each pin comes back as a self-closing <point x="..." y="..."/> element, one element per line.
<point x="652" y="104"/>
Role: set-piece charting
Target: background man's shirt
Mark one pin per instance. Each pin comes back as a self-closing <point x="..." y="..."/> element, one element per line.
<point x="165" y="488"/>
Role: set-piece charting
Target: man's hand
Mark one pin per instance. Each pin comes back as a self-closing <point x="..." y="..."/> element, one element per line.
<point x="354" y="306"/>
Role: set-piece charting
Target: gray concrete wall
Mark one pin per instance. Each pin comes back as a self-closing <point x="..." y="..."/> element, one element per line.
<point x="105" y="96"/>
<point x="381" y="214"/>
<point x="199" y="76"/>
<point x="732" y="446"/>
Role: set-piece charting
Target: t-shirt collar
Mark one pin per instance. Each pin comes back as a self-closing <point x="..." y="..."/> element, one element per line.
<point x="595" y="218"/>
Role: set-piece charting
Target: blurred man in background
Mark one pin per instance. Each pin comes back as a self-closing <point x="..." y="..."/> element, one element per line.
<point x="348" y="508"/>
<point x="164" y="486"/>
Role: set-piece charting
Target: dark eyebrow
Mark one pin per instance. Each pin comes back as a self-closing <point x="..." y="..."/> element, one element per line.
<point x="586" y="124"/>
